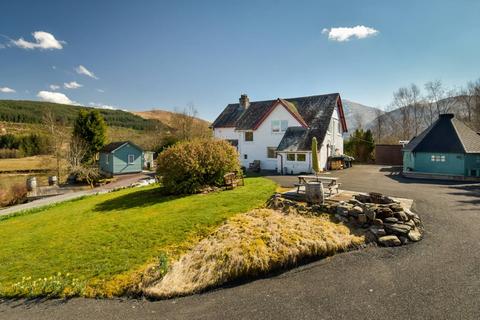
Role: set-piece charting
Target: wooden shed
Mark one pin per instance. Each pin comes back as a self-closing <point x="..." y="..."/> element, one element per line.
<point x="120" y="158"/>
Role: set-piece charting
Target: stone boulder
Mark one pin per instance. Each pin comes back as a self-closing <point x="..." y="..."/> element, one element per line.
<point x="389" y="241"/>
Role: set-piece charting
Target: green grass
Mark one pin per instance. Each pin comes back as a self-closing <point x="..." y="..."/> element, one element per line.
<point x="104" y="238"/>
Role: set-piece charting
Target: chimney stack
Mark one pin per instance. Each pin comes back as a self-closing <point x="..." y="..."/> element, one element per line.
<point x="244" y="101"/>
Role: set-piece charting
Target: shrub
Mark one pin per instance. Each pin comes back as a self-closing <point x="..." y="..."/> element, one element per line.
<point x="189" y="166"/>
<point x="15" y="195"/>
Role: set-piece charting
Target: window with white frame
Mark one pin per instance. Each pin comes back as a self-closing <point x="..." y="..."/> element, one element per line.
<point x="437" y="158"/>
<point x="290" y="156"/>
<point x="302" y="157"/>
<point x="279" y="126"/>
<point x="249" y="136"/>
<point x="340" y="129"/>
<point x="131" y="158"/>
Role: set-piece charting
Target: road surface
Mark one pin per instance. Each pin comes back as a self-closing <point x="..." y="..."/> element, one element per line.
<point x="437" y="278"/>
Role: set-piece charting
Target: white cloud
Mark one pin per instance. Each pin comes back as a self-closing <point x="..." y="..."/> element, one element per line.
<point x="342" y="34"/>
<point x="82" y="70"/>
<point x="43" y="41"/>
<point x="105" y="106"/>
<point x="56" y="97"/>
<point x="101" y="90"/>
<point x="6" y="90"/>
<point x="72" y="85"/>
<point x="54" y="87"/>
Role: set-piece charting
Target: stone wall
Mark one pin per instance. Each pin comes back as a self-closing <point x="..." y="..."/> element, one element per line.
<point x="383" y="219"/>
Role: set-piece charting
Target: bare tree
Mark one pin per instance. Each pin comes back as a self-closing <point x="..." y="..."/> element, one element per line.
<point x="58" y="137"/>
<point x="77" y="152"/>
<point x="407" y="101"/>
<point x="358" y="120"/>
<point x="186" y="124"/>
<point x="379" y="125"/>
<point x="440" y="100"/>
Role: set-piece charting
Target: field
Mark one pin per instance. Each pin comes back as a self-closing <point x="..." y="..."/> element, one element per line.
<point x="27" y="164"/>
<point x="103" y="242"/>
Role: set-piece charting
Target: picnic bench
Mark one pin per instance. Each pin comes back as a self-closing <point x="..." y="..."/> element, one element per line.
<point x="330" y="183"/>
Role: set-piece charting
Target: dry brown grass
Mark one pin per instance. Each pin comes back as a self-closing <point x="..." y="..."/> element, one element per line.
<point x="27" y="163"/>
<point x="253" y="244"/>
<point x="163" y="116"/>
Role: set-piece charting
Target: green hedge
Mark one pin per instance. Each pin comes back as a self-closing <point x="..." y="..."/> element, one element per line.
<point x="189" y="166"/>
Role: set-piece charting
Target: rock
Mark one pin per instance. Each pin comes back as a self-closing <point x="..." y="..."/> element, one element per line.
<point x="355" y="202"/>
<point x="378" y="232"/>
<point x="409" y="213"/>
<point x="391" y="220"/>
<point x="415" y="235"/>
<point x="389" y="241"/>
<point x="396" y="207"/>
<point x="362" y="198"/>
<point x="370" y="214"/>
<point x="383" y="213"/>
<point x="397" y="228"/>
<point x="402" y="216"/>
<point x="410" y="223"/>
<point x="355" y="211"/>
<point x="378" y="222"/>
<point x="403" y="240"/>
<point x="362" y="218"/>
<point x="342" y="210"/>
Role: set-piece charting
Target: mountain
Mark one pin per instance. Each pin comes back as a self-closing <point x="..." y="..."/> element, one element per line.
<point x="357" y="115"/>
<point x="164" y="116"/>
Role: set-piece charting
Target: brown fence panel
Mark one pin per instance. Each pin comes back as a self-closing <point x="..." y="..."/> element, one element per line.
<point x="388" y="154"/>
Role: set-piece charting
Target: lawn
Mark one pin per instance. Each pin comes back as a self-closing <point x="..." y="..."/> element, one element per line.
<point x="102" y="240"/>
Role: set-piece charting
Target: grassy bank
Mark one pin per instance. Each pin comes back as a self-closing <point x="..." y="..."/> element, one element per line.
<point x="97" y="246"/>
<point x="253" y="244"/>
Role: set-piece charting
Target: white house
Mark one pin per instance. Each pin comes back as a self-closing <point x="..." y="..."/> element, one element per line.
<point x="279" y="132"/>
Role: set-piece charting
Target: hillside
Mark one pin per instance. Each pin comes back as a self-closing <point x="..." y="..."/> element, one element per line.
<point x="163" y="116"/>
<point x="357" y="114"/>
<point x="20" y="111"/>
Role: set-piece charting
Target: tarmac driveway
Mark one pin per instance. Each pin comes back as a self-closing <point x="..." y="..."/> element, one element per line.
<point x="437" y="278"/>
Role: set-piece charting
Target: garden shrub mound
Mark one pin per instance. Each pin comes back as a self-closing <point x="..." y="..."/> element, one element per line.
<point x="253" y="244"/>
<point x="188" y="167"/>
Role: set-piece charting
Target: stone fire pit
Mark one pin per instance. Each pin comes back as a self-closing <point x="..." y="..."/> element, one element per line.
<point x="385" y="220"/>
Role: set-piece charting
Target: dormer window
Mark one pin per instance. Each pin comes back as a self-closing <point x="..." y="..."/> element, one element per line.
<point x="279" y="126"/>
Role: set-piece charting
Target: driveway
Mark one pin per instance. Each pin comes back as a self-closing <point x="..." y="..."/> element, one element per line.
<point x="437" y="278"/>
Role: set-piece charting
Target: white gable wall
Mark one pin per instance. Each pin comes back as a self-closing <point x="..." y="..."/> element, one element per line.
<point x="263" y="137"/>
<point x="225" y="133"/>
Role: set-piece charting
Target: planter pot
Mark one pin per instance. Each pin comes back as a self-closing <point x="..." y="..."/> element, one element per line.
<point x="314" y="192"/>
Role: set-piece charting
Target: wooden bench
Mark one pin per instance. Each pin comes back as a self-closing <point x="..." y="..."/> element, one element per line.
<point x="232" y="180"/>
<point x="254" y="166"/>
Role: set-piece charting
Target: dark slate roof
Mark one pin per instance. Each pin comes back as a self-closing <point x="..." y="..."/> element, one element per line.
<point x="293" y="139"/>
<point x="315" y="111"/>
<point x="446" y="135"/>
<point x="115" y="145"/>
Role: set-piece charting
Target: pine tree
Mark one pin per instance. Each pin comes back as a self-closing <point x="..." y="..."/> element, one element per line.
<point x="91" y="128"/>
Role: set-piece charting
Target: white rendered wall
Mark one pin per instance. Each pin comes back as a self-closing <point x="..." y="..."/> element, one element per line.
<point x="225" y="133"/>
<point x="263" y="137"/>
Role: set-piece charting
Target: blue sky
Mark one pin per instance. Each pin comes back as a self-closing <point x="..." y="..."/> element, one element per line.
<point x="168" y="54"/>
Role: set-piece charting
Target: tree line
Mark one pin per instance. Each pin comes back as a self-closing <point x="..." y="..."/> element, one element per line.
<point x="413" y="110"/>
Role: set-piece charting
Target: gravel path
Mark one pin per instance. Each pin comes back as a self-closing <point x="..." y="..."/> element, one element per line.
<point x="437" y="278"/>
